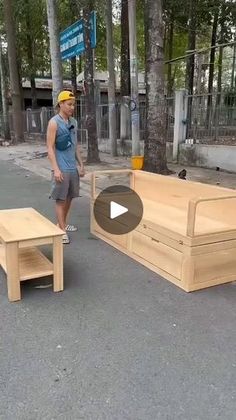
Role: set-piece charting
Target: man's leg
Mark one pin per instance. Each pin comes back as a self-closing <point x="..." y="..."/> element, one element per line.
<point x="73" y="192"/>
<point x="61" y="213"/>
<point x="67" y="208"/>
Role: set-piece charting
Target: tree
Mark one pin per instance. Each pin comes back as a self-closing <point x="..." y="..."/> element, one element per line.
<point x="75" y="15"/>
<point x="30" y="54"/>
<point x="93" y="154"/>
<point x="191" y="46"/>
<point x="124" y="64"/>
<point x="112" y="80"/>
<point x="155" y="139"/>
<point x="6" y="128"/>
<point x="212" y="65"/>
<point x="14" y="75"/>
<point x="56" y="64"/>
<point x="32" y="41"/>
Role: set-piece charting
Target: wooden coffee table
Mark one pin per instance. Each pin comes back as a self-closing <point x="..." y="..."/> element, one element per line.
<point x="21" y="231"/>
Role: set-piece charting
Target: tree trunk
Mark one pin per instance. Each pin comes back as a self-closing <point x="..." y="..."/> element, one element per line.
<point x="33" y="91"/>
<point x="125" y="70"/>
<point x="169" y="74"/>
<point x="211" y="68"/>
<point x="220" y="62"/>
<point x="56" y="64"/>
<point x="233" y="81"/>
<point x="155" y="139"/>
<point x="219" y="80"/>
<point x="165" y="37"/>
<point x="75" y="14"/>
<point x="14" y="75"/>
<point x="112" y="79"/>
<point x="73" y="75"/>
<point x="135" y="115"/>
<point x="191" y="60"/>
<point x="93" y="154"/>
<point x="6" y="128"/>
<point x="191" y="47"/>
<point x="30" y="56"/>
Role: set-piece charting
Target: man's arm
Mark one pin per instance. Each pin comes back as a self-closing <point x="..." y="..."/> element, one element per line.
<point x="80" y="161"/>
<point x="51" y="137"/>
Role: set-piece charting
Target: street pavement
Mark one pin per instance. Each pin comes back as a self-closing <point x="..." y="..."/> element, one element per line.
<point x="119" y="343"/>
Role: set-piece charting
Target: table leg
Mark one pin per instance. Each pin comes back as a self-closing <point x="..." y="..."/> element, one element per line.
<point x="57" y="264"/>
<point x="13" y="272"/>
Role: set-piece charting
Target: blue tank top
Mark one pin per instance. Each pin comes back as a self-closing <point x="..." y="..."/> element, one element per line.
<point x="66" y="159"/>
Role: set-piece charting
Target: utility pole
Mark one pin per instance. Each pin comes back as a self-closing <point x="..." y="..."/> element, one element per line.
<point x="112" y="80"/>
<point x="134" y="104"/>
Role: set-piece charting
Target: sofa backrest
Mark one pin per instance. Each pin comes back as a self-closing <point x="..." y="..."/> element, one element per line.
<point x="177" y="193"/>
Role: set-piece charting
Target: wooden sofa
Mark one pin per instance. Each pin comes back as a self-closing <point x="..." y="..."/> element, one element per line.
<point x="188" y="230"/>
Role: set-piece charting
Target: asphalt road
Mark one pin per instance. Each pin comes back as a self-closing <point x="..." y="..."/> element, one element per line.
<point x="119" y="343"/>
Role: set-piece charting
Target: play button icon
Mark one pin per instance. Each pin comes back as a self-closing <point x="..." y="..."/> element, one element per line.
<point x="118" y="209"/>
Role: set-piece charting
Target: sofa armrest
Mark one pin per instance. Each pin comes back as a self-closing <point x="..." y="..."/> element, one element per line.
<point x="106" y="172"/>
<point x="192" y="211"/>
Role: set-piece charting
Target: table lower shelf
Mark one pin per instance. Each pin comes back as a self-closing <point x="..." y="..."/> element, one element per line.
<point x="32" y="263"/>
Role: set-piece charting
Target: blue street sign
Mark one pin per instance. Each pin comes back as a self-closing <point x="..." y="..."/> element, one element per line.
<point x="72" y="38"/>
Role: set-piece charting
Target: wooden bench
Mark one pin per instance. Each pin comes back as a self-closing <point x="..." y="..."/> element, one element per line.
<point x="188" y="230"/>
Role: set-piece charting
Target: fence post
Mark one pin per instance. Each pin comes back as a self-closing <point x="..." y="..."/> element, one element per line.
<point x="181" y="107"/>
<point x="124" y="119"/>
<point x="43" y="120"/>
<point x="28" y="119"/>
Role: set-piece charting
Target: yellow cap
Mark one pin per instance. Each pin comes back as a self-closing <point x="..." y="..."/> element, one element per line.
<point x="65" y="95"/>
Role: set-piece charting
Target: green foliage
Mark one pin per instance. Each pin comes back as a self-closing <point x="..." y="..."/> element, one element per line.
<point x="31" y="28"/>
<point x="32" y="31"/>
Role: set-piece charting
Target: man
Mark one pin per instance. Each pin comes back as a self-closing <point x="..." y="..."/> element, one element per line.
<point x="63" y="153"/>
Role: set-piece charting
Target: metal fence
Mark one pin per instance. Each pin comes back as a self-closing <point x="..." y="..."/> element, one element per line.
<point x="212" y="118"/>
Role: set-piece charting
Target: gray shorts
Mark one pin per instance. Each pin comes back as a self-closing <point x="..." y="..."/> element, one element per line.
<point x="68" y="188"/>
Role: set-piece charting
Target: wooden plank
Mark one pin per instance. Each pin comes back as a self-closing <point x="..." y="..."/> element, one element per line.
<point x="214" y="247"/>
<point x="12" y="269"/>
<point x="25" y="224"/>
<point x="57" y="265"/>
<point x="35" y="242"/>
<point x="32" y="263"/>
<point x="216" y="282"/>
<point x="173" y="185"/>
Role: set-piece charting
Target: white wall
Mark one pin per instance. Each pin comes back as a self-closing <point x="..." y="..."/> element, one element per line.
<point x="209" y="156"/>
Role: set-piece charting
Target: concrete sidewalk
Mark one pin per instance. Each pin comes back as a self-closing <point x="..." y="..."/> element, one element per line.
<point x="120" y="342"/>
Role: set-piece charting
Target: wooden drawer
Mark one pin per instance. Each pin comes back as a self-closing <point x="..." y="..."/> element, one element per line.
<point x="148" y="230"/>
<point x="158" y="254"/>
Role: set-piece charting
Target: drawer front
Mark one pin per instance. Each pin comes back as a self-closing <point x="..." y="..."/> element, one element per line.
<point x="215" y="266"/>
<point x="158" y="254"/>
<point x="146" y="230"/>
